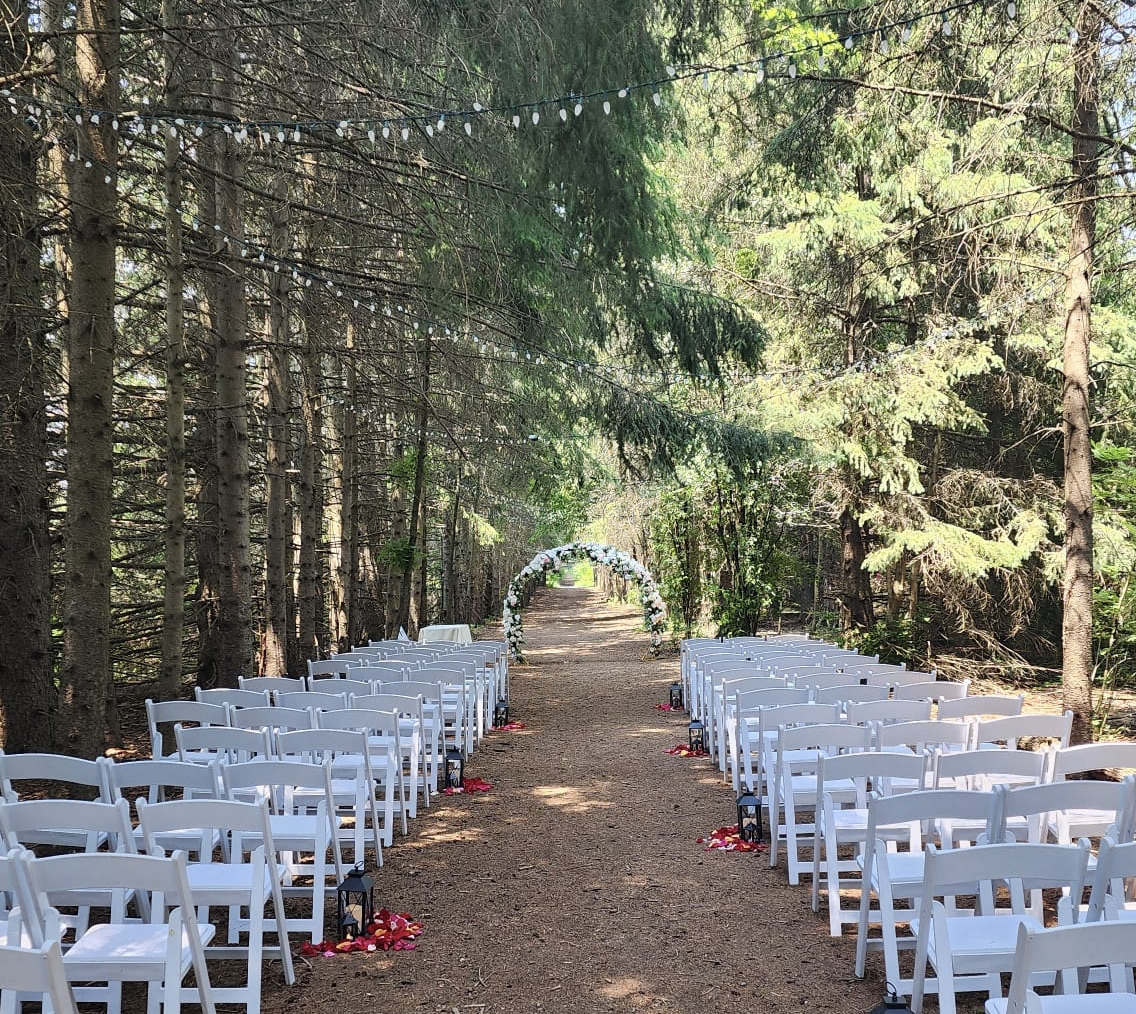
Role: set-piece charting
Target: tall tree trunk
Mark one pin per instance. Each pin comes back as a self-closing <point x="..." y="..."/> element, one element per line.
<point x="341" y="512"/>
<point x="27" y="689"/>
<point x="855" y="598"/>
<point x="234" y="618"/>
<point x="422" y="418"/>
<point x="1077" y="617"/>
<point x="278" y="501"/>
<point x="174" y="579"/>
<point x="85" y="678"/>
<point x="311" y="488"/>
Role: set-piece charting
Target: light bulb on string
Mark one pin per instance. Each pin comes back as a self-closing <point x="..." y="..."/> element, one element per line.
<point x="405" y="133"/>
<point x="883" y="44"/>
<point x="516" y="122"/>
<point x="296" y="135"/>
<point x="607" y="108"/>
<point x="792" y="69"/>
<point x="386" y="131"/>
<point x="468" y="127"/>
<point x="946" y="26"/>
<point x="622" y="93"/>
<point x="578" y="109"/>
<point x="441" y="124"/>
<point x="535" y="117"/>
<point x="656" y="98"/>
<point x="477" y="107"/>
<point x="849" y="42"/>
<point x="706" y="79"/>
<point x="821" y="60"/>
<point x="905" y="35"/>
<point x="759" y="73"/>
<point x="371" y="134"/>
<point x="563" y="115"/>
<point x="1011" y="10"/>
<point x="429" y="130"/>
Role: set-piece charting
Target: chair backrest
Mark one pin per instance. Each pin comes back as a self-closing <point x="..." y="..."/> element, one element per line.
<point x="933" y="690"/>
<point x="749" y="702"/>
<point x="228" y="745"/>
<point x="887" y="711"/>
<point x="374" y="723"/>
<point x="72" y="823"/>
<point x="1007" y="731"/>
<point x="772" y="718"/>
<point x="317" y="745"/>
<point x="929" y="805"/>
<point x="819" y="678"/>
<point x="870" y="770"/>
<point x="67" y="774"/>
<point x="1038" y="804"/>
<point x="1091" y="758"/>
<point x="288" y="785"/>
<point x="273" y="684"/>
<point x="38" y="970"/>
<point x="982" y="706"/>
<point x="325" y="699"/>
<point x="983" y="769"/>
<point x="388" y="670"/>
<point x="157" y="778"/>
<point x="732" y="686"/>
<point x="428" y="691"/>
<point x="850" y="693"/>
<point x="1023" y="867"/>
<point x="195" y="825"/>
<point x="905" y="675"/>
<point x="16" y="893"/>
<point x="272" y="717"/>
<point x="921" y="735"/>
<point x="826" y="738"/>
<point x="234" y="697"/>
<point x="1064" y="948"/>
<point x="159" y="713"/>
<point x="330" y="668"/>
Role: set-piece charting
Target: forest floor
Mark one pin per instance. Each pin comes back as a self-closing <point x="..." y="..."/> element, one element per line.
<point x="577" y="884"/>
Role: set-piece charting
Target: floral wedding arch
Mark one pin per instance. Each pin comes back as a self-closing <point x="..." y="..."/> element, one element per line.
<point x="616" y="560"/>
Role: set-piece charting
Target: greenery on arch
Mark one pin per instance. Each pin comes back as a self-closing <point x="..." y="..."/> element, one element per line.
<point x="616" y="560"/>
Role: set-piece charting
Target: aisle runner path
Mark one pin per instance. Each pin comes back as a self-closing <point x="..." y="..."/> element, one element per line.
<point x="576" y="885"/>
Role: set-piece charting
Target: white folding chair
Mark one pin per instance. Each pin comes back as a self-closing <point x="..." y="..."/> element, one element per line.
<point x="245" y="882"/>
<point x="843" y="818"/>
<point x="302" y="816"/>
<point x="385" y="748"/>
<point x="273" y="684"/>
<point x="353" y="785"/>
<point x="892" y="876"/>
<point x="745" y="745"/>
<point x="169" y="713"/>
<point x="271" y="718"/>
<point x="769" y="721"/>
<point x="79" y="825"/>
<point x="1066" y="949"/>
<point x="412" y="740"/>
<point x="1091" y="760"/>
<point x="846" y="694"/>
<point x="968" y="952"/>
<point x="795" y="756"/>
<point x="160" y="950"/>
<point x="933" y="690"/>
<point x="35" y="970"/>
<point x="981" y="771"/>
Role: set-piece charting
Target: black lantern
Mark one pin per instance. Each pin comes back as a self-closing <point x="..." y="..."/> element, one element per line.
<point x="501" y="714"/>
<point x="749" y="817"/>
<point x="676" y="695"/>
<point x="356" y="904"/>
<point x="696" y="732"/>
<point x="455" y="769"/>
<point x="891" y="1003"/>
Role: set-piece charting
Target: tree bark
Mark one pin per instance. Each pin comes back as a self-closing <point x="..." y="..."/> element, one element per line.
<point x="1077" y="615"/>
<point x="27" y="689"/>
<point x="341" y="512"/>
<point x="85" y="677"/>
<point x="278" y="502"/>
<point x="422" y="418"/>
<point x="234" y="617"/>
<point x="174" y="583"/>
<point x="857" y="611"/>
<point x="310" y="595"/>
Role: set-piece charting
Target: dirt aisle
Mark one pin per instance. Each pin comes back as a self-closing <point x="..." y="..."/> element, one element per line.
<point x="576" y="885"/>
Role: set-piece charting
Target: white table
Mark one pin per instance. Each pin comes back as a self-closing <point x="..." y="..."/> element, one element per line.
<point x="457" y="633"/>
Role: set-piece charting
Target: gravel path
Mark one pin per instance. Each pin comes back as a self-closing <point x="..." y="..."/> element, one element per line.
<point x="576" y="885"/>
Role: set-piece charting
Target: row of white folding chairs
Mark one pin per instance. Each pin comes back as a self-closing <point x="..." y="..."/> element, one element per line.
<point x="309" y="789"/>
<point x="721" y="683"/>
<point x="256" y="850"/>
<point x="760" y="712"/>
<point x="798" y="758"/>
<point x="484" y="674"/>
<point x="931" y="876"/>
<point x="433" y="715"/>
<point x="727" y="712"/>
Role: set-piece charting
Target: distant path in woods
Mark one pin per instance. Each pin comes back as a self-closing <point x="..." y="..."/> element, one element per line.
<point x="576" y="885"/>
